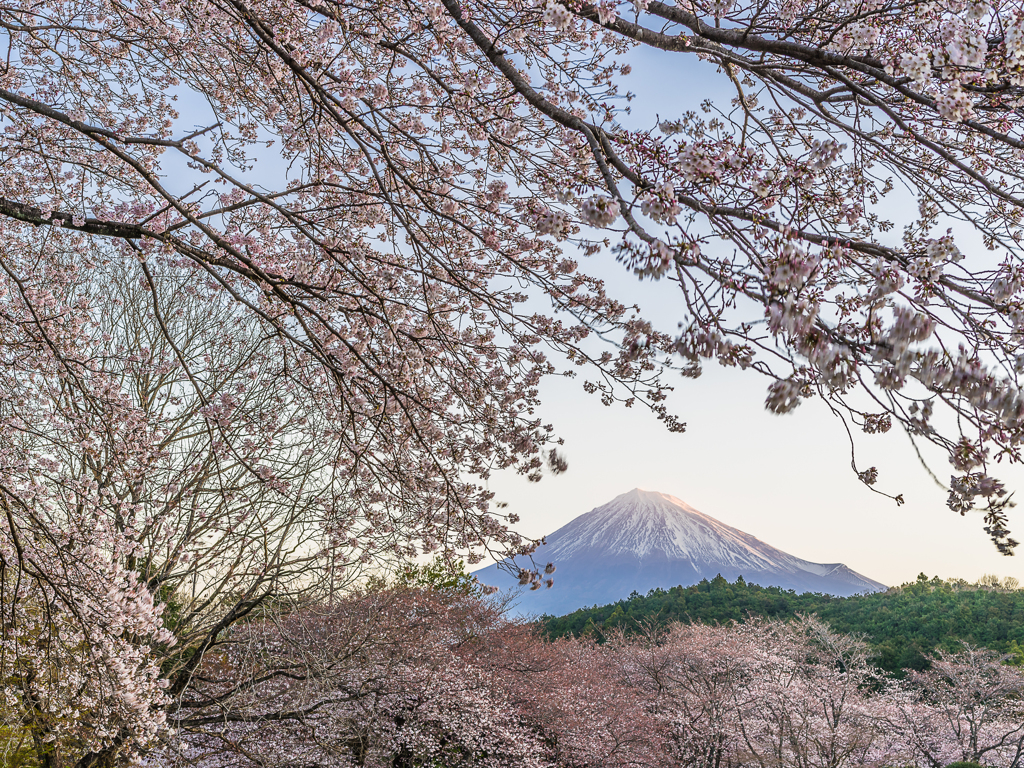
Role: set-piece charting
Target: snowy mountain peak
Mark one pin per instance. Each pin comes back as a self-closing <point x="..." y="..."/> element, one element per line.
<point x="644" y="539"/>
<point x="648" y="524"/>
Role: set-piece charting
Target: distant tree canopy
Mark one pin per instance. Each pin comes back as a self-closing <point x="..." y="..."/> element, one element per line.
<point x="437" y="576"/>
<point x="903" y="626"/>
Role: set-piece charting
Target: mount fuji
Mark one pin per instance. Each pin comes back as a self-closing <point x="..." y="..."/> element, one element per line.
<point x="644" y="539"/>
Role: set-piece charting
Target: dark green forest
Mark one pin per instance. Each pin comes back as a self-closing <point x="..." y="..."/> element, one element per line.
<point x="904" y="625"/>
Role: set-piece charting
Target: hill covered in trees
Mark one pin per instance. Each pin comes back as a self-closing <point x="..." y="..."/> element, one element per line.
<point x="903" y="625"/>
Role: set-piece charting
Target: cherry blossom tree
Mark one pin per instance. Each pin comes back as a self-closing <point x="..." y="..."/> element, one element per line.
<point x="269" y="273"/>
<point x="768" y="693"/>
<point x="968" y="706"/>
<point x="377" y="679"/>
<point x="763" y="693"/>
<point x="151" y="510"/>
<point x="690" y="676"/>
<point x="808" y="702"/>
<point x="571" y="693"/>
<point x="406" y="677"/>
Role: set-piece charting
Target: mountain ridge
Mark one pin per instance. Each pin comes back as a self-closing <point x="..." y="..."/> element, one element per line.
<point x="645" y="539"/>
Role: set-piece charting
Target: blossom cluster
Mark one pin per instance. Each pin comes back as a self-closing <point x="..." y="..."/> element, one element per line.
<point x="599" y="211"/>
<point x="660" y="204"/>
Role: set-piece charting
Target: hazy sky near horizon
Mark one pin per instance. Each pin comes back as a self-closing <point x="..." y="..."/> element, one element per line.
<point x="785" y="479"/>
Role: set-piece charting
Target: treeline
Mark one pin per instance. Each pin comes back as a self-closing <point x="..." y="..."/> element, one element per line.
<point x="903" y="626"/>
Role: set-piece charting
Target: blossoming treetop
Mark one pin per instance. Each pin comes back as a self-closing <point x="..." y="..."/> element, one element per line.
<point x="431" y="155"/>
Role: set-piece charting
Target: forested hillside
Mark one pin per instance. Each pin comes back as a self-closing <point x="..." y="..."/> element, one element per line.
<point x="903" y="626"/>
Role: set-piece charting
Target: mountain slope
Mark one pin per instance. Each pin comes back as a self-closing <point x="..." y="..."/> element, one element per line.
<point x="644" y="539"/>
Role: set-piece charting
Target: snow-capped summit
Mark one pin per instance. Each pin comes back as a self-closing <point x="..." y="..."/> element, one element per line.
<point x="644" y="539"/>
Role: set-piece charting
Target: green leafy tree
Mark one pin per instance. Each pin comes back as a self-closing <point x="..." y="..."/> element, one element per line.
<point x="439" y="575"/>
